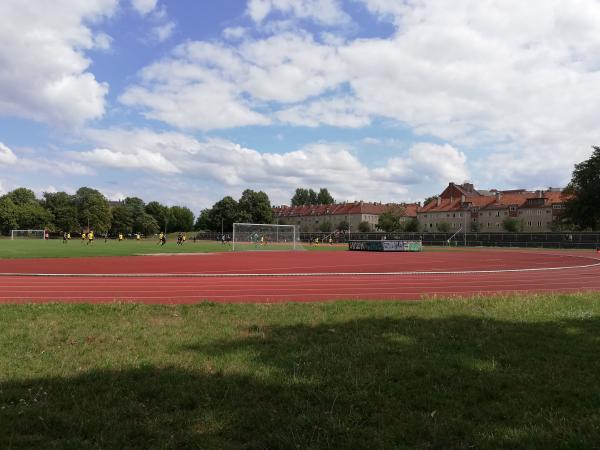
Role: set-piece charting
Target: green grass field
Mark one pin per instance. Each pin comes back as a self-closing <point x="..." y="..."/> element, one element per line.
<point x="482" y="373"/>
<point x="54" y="248"/>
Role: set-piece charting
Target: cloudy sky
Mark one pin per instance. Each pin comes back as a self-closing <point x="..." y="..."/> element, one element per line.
<point x="186" y="101"/>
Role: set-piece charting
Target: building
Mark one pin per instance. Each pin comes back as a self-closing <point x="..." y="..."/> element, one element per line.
<point x="461" y="206"/>
<point x="311" y="218"/>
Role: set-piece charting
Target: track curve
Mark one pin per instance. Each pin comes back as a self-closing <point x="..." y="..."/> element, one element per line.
<point x="273" y="277"/>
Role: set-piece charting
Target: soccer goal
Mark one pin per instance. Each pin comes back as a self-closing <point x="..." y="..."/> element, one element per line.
<point x="256" y="236"/>
<point x="27" y="234"/>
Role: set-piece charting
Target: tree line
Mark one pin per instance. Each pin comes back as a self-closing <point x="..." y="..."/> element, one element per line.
<point x="89" y="209"/>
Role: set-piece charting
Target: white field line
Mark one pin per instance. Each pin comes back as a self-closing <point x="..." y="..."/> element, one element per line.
<point x="293" y="274"/>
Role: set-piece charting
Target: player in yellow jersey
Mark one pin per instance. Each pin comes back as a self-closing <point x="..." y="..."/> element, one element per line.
<point x="137" y="237"/>
<point x="90" y="237"/>
<point x="120" y="237"/>
<point x="83" y="237"/>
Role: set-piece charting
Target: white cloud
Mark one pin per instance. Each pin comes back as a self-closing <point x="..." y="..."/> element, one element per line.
<point x="337" y="112"/>
<point x="143" y="7"/>
<point x="234" y="33"/>
<point x="325" y="12"/>
<point x="427" y="164"/>
<point x="164" y="31"/>
<point x="140" y="159"/>
<point x="43" y="68"/>
<point x="178" y="157"/>
<point x="7" y="156"/>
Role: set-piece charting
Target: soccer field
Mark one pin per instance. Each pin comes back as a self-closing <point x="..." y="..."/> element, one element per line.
<point x="54" y="248"/>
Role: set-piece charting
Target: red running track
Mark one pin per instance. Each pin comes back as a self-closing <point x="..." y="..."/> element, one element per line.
<point x="296" y="276"/>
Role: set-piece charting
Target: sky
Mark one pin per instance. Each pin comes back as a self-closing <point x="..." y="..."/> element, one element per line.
<point x="186" y="101"/>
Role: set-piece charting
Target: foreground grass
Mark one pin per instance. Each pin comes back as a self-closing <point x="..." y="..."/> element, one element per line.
<point x="483" y="373"/>
<point x="55" y="248"/>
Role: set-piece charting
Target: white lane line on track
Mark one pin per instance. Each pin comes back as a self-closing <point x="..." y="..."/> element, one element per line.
<point x="296" y="274"/>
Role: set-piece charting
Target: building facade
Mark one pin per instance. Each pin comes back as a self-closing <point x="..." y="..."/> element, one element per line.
<point x="461" y="207"/>
<point x="310" y="218"/>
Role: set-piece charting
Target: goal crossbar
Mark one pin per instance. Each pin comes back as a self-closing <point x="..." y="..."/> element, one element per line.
<point x="259" y="236"/>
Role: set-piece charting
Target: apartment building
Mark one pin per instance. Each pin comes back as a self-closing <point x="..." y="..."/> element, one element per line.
<point x="309" y="218"/>
<point x="464" y="207"/>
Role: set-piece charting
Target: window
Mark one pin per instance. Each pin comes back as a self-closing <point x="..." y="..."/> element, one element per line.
<point x="529" y="223"/>
<point x="498" y="225"/>
<point x="497" y="213"/>
<point x="539" y="223"/>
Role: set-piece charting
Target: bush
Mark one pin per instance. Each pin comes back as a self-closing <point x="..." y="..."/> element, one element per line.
<point x="364" y="227"/>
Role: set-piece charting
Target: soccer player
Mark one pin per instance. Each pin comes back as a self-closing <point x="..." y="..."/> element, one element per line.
<point x="161" y="237"/>
<point x="137" y="237"/>
<point x="64" y="238"/>
<point x="68" y="236"/>
<point x="179" y="239"/>
<point x="90" y="237"/>
<point x="183" y="238"/>
<point x="120" y="237"/>
<point x="83" y="237"/>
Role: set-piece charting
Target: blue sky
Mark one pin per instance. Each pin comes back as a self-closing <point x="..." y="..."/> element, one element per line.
<point x="187" y="101"/>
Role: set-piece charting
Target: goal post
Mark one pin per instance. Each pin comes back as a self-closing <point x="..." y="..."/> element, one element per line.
<point x="257" y="236"/>
<point x="27" y="234"/>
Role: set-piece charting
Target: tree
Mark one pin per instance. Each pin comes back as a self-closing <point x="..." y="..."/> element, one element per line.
<point x="301" y="197"/>
<point x="412" y="226"/>
<point x="8" y="214"/>
<point x="225" y="212"/>
<point x="32" y="215"/>
<point x="324" y="197"/>
<point x="21" y="196"/>
<point x="310" y="197"/>
<point x="122" y="219"/>
<point x="135" y="205"/>
<point x="203" y="220"/>
<point x="388" y="222"/>
<point x="92" y="209"/>
<point x="583" y="208"/>
<point x="160" y="213"/>
<point x="146" y="224"/>
<point x="343" y="225"/>
<point x="326" y="226"/>
<point x="181" y="219"/>
<point x="256" y="206"/>
<point x="364" y="226"/>
<point x="63" y="208"/>
<point x="511" y="225"/>
<point x="443" y="227"/>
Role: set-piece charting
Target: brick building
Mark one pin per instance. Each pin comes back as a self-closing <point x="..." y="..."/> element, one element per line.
<point x="485" y="211"/>
<point x="309" y="218"/>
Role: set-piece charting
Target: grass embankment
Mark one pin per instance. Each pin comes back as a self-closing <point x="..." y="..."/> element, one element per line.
<point x="55" y="248"/>
<point x="487" y="373"/>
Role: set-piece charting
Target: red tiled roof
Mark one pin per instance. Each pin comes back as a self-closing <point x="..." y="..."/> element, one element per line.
<point x="517" y="198"/>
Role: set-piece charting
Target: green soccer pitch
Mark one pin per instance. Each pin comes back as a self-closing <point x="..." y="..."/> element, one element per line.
<point x="54" y="248"/>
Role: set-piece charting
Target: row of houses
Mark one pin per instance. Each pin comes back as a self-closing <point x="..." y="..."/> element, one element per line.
<point x="463" y="207"/>
<point x="310" y="218"/>
<point x="459" y="206"/>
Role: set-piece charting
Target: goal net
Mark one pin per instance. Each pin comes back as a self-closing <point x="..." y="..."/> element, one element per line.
<point x="27" y="234"/>
<point x="254" y="236"/>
